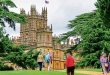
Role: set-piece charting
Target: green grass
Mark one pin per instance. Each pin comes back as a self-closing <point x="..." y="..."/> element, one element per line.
<point x="91" y="69"/>
<point x="34" y="72"/>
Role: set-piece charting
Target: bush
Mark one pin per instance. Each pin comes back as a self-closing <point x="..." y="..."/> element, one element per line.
<point x="4" y="67"/>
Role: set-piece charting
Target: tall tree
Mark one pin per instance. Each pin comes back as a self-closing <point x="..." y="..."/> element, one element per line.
<point x="103" y="8"/>
<point x="11" y="18"/>
<point x="95" y="37"/>
<point x="94" y="29"/>
<point x="8" y="16"/>
<point x="103" y="11"/>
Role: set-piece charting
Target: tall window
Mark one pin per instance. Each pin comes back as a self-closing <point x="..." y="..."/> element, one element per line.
<point x="40" y="25"/>
<point x="40" y="39"/>
<point x="48" y="38"/>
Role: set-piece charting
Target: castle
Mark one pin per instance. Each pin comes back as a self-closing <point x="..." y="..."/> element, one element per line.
<point x="38" y="35"/>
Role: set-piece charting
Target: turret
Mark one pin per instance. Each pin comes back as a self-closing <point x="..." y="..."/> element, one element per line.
<point x="33" y="10"/>
<point x="44" y="12"/>
<point x="51" y="26"/>
<point x="22" y="11"/>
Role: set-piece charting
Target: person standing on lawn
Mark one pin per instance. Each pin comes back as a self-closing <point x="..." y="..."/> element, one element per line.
<point x="109" y="62"/>
<point x="104" y="63"/>
<point x="48" y="60"/>
<point x="70" y="64"/>
<point x="40" y="60"/>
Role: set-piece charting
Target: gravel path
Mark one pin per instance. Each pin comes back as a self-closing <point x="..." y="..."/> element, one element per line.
<point x="87" y="72"/>
<point x="90" y="72"/>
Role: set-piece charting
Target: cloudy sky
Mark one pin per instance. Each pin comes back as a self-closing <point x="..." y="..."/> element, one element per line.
<point x="59" y="12"/>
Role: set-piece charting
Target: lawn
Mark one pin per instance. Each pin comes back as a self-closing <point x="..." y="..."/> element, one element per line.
<point x="91" y="69"/>
<point x="33" y="72"/>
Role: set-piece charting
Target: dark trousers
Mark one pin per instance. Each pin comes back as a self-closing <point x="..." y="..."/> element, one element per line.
<point x="40" y="66"/>
<point x="70" y="70"/>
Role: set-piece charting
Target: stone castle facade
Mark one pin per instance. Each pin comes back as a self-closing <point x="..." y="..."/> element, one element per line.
<point x="37" y="34"/>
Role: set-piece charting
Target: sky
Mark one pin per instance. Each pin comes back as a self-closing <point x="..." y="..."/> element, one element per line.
<point x="59" y="12"/>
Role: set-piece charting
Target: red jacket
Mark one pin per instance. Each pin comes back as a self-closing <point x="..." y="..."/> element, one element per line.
<point x="70" y="61"/>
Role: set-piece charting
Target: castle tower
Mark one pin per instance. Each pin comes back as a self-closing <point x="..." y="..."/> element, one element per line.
<point x="36" y="33"/>
<point x="23" y="27"/>
<point x="28" y="30"/>
<point x="44" y="33"/>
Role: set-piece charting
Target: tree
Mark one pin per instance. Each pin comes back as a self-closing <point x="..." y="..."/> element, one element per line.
<point x="8" y="16"/>
<point x="11" y="18"/>
<point x="103" y="8"/>
<point x="94" y="29"/>
<point x="24" y="60"/>
<point x="95" y="38"/>
<point x="5" y="44"/>
<point x="8" y="51"/>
